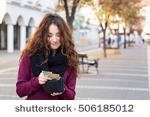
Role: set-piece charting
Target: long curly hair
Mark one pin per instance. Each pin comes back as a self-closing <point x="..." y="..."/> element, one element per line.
<point x="38" y="43"/>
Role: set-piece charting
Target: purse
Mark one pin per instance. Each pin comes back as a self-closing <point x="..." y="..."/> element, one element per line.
<point x="54" y="85"/>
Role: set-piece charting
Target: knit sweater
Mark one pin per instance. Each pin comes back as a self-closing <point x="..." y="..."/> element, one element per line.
<point x="28" y="85"/>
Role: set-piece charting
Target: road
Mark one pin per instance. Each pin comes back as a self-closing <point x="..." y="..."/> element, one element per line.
<point x="123" y="77"/>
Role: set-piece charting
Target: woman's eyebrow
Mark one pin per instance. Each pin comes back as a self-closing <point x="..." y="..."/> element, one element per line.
<point x="52" y="33"/>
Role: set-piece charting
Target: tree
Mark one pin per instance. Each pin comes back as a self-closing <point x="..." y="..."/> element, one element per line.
<point x="129" y="11"/>
<point x="70" y="7"/>
<point x="103" y="12"/>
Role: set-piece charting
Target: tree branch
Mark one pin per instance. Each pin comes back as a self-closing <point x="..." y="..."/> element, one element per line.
<point x="66" y="8"/>
<point x="74" y="6"/>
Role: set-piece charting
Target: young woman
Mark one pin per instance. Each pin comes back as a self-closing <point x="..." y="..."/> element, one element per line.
<point x="51" y="48"/>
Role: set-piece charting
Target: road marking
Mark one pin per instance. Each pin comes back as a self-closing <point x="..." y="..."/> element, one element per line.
<point x="10" y="73"/>
<point x="123" y="70"/>
<point x="12" y="96"/>
<point x="123" y="66"/>
<point x="125" y="74"/>
<point x="8" y="69"/>
<point x="7" y="78"/>
<point x="7" y="85"/>
<point x="111" y="88"/>
<point x="112" y="79"/>
<point x="114" y="74"/>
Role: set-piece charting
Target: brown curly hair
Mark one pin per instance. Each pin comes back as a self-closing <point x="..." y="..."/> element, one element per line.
<point x="38" y="43"/>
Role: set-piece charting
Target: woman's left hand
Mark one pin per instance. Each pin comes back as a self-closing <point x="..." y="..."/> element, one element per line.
<point x="55" y="94"/>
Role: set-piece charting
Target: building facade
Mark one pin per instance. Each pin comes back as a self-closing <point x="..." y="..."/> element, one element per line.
<point x="18" y="20"/>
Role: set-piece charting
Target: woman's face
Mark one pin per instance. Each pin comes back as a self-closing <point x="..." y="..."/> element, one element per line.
<point x="54" y="36"/>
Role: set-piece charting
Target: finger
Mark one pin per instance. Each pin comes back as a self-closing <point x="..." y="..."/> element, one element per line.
<point x="42" y="82"/>
<point x="47" y="78"/>
<point x="43" y="79"/>
<point x="60" y="93"/>
<point x="57" y="93"/>
<point x="52" y="94"/>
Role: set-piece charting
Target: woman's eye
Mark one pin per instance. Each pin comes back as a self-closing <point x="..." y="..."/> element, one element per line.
<point x="54" y="35"/>
<point x="58" y="35"/>
<point x="49" y="35"/>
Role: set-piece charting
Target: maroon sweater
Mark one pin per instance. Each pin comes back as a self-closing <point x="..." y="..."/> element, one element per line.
<point x="28" y="85"/>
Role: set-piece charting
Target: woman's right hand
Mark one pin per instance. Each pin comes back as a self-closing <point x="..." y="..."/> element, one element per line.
<point x="42" y="80"/>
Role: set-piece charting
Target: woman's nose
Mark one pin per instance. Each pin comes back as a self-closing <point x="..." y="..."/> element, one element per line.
<point x="54" y="38"/>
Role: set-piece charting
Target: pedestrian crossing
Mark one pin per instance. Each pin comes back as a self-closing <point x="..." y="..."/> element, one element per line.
<point x="111" y="88"/>
<point x="120" y="78"/>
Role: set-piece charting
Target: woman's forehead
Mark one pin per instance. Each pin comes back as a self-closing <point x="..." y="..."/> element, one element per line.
<point x="53" y="28"/>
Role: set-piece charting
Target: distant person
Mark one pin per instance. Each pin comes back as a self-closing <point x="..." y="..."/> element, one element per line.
<point x="143" y="40"/>
<point x="50" y="49"/>
<point x="109" y="42"/>
<point x="138" y="40"/>
<point x="118" y="38"/>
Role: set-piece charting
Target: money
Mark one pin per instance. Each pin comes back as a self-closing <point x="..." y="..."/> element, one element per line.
<point x="50" y="75"/>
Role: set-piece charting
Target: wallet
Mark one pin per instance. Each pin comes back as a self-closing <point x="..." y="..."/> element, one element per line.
<point x="54" y="85"/>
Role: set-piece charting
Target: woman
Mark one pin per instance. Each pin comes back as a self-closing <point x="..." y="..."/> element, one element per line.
<point x="50" y="49"/>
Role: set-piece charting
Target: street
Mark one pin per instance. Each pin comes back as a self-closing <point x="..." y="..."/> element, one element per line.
<point x="122" y="77"/>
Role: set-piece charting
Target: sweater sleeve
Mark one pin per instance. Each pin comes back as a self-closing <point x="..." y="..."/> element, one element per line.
<point x="26" y="84"/>
<point x="69" y="93"/>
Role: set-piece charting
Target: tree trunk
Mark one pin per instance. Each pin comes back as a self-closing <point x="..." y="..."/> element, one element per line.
<point x="99" y="45"/>
<point x="129" y="42"/>
<point x="104" y="28"/>
<point x="104" y="43"/>
<point x="70" y="16"/>
<point x="124" y="29"/>
<point x="70" y="22"/>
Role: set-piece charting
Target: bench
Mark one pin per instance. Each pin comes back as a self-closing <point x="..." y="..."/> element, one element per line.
<point x="84" y="60"/>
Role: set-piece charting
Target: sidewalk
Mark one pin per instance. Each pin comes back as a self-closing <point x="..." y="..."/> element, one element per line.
<point x="98" y="52"/>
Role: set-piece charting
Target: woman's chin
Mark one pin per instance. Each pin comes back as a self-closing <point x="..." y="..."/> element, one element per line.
<point x="54" y="47"/>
